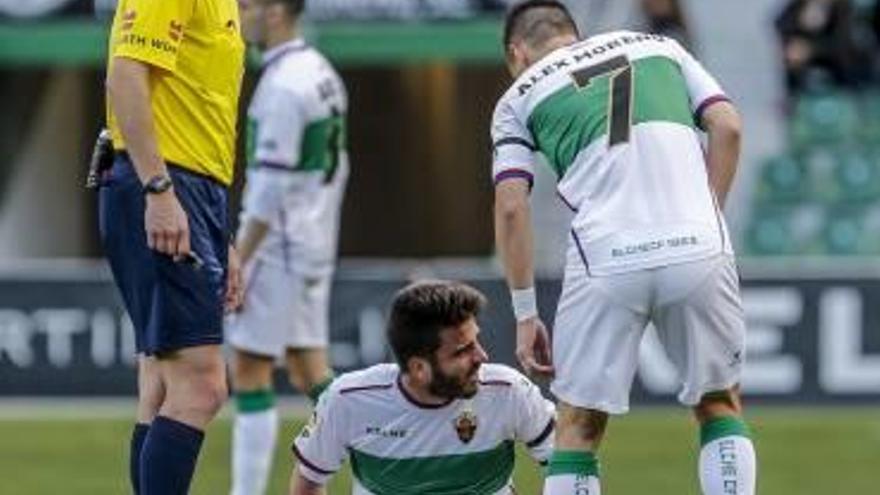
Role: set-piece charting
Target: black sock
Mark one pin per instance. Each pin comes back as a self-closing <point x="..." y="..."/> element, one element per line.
<point x="138" y="435"/>
<point x="169" y="457"/>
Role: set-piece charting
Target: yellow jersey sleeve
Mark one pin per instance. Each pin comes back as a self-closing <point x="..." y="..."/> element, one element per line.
<point x="151" y="31"/>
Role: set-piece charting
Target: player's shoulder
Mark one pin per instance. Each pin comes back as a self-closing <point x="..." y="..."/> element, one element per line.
<point x="500" y="377"/>
<point x="380" y="378"/>
<point x="635" y="44"/>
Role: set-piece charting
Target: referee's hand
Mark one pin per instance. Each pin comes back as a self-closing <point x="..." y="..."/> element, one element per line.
<point x="167" y="225"/>
<point x="533" y="348"/>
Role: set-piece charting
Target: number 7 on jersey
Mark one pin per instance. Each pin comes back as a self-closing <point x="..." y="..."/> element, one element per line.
<point x="620" y="96"/>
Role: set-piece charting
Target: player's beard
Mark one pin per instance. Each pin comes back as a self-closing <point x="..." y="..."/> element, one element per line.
<point x="451" y="386"/>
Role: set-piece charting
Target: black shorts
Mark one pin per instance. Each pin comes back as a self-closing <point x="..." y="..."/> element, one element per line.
<point x="173" y="305"/>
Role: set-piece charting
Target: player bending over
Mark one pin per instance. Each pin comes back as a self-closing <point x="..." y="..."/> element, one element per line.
<point x="618" y="117"/>
<point x="440" y="421"/>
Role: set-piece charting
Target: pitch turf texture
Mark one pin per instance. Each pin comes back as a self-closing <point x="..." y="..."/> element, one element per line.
<point x="802" y="451"/>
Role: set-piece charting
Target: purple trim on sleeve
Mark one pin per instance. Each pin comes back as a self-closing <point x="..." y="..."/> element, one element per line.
<point x="543" y="435"/>
<point x="305" y="462"/>
<point x="276" y="166"/>
<point x="580" y="249"/>
<point x="566" y="201"/>
<point x="515" y="173"/>
<point x="705" y="104"/>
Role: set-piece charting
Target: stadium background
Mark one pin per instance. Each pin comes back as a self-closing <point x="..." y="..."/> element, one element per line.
<point x="423" y="77"/>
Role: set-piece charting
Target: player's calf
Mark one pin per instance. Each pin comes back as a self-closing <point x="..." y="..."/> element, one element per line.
<point x="727" y="457"/>
<point x="309" y="371"/>
<point x="256" y="423"/>
<point x="574" y="466"/>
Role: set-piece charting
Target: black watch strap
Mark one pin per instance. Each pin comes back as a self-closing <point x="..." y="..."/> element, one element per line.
<point x="158" y="184"/>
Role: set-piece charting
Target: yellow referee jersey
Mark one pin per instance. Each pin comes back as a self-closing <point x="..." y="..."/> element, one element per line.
<point x="197" y="49"/>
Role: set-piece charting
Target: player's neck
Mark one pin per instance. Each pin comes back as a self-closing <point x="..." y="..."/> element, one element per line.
<point x="419" y="393"/>
<point x="554" y="44"/>
<point x="280" y="37"/>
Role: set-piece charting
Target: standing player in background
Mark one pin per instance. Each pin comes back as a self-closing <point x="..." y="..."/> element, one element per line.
<point x="298" y="167"/>
<point x="617" y="117"/>
<point x="440" y="421"/>
<point x="173" y="80"/>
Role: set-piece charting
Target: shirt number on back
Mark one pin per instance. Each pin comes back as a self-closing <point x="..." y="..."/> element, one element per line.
<point x="620" y="97"/>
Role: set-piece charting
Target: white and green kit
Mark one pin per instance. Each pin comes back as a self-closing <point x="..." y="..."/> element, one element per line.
<point x="298" y="168"/>
<point x="398" y="446"/>
<point x="617" y="118"/>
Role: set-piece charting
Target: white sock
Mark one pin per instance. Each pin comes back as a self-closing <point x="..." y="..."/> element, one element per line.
<point x="572" y="473"/>
<point x="728" y="466"/>
<point x="571" y="484"/>
<point x="253" y="444"/>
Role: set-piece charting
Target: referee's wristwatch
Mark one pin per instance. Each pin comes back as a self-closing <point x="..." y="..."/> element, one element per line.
<point x="158" y="184"/>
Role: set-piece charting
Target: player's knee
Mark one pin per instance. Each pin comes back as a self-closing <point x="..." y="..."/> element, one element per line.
<point x="718" y="403"/>
<point x="211" y="397"/>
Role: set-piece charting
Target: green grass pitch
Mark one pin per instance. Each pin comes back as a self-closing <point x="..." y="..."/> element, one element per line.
<point x="802" y="451"/>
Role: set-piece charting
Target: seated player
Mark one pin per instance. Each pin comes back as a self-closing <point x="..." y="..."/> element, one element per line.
<point x="440" y="421"/>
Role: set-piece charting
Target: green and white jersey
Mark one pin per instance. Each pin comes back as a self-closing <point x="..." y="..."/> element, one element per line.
<point x="616" y="116"/>
<point x="297" y="158"/>
<point x="398" y="446"/>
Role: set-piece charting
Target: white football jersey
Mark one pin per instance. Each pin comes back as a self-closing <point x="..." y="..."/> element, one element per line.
<point x="297" y="158"/>
<point x="616" y="116"/>
<point x="397" y="446"/>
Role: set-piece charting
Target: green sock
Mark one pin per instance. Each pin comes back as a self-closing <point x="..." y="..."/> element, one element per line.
<point x="251" y="401"/>
<point x="723" y="426"/>
<point x="572" y="471"/>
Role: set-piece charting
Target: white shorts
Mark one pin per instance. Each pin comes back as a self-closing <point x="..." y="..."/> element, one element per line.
<point x="282" y="309"/>
<point x="695" y="308"/>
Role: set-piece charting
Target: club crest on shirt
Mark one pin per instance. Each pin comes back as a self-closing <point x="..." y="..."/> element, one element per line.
<point x="466" y="425"/>
<point x="309" y="427"/>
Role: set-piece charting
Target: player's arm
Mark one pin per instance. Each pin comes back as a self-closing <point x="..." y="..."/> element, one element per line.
<point x="277" y="153"/>
<point x="724" y="128"/>
<point x="713" y="113"/>
<point x="321" y="447"/>
<point x="300" y="485"/>
<point x="512" y="172"/>
<point x="513" y="232"/>
<point x="536" y="420"/>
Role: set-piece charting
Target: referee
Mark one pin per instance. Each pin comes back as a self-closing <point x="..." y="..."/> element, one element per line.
<point x="174" y="75"/>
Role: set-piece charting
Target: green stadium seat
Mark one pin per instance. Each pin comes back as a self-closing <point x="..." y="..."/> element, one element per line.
<point x="829" y="118"/>
<point x="776" y="230"/>
<point x="784" y="178"/>
<point x="843" y="232"/>
<point x="856" y="177"/>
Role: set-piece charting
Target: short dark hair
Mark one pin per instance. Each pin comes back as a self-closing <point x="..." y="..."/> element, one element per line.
<point x="537" y="21"/>
<point x="294" y="7"/>
<point x="421" y="310"/>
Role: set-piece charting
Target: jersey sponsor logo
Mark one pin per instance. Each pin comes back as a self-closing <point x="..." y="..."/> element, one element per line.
<point x="309" y="427"/>
<point x="175" y="30"/>
<point x="646" y="247"/>
<point x="466" y="425"/>
<point x="386" y="432"/>
<point x="140" y="41"/>
<point x="128" y="19"/>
